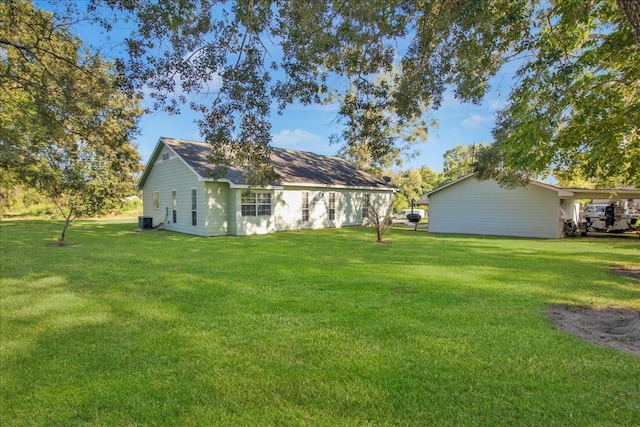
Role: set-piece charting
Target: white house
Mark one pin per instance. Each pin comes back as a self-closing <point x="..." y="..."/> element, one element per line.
<point x="471" y="206"/>
<point x="314" y="192"/>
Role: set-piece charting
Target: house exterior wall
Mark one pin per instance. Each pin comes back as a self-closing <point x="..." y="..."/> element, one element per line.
<point x="216" y="209"/>
<point x="168" y="175"/>
<point x="233" y="201"/>
<point x="219" y="205"/>
<point x="287" y="210"/>
<point x="483" y="207"/>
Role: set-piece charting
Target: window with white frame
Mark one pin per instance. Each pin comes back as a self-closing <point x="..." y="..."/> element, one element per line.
<point x="305" y="206"/>
<point x="332" y="206"/>
<point x="194" y="207"/>
<point x="366" y="204"/>
<point x="263" y="201"/>
<point x="156" y="201"/>
<point x="255" y="204"/>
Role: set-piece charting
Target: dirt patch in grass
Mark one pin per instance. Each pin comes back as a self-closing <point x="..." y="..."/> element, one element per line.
<point x="627" y="271"/>
<point x="614" y="327"/>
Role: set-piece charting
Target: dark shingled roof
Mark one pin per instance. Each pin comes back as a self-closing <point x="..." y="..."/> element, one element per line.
<point x="293" y="166"/>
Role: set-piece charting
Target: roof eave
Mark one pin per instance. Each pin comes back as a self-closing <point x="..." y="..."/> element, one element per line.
<point x="301" y="184"/>
<point x="462" y="178"/>
<point x="340" y="186"/>
<point x="149" y="165"/>
<point x="606" y="193"/>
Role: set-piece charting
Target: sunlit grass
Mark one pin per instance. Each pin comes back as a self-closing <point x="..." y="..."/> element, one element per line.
<point x="306" y="328"/>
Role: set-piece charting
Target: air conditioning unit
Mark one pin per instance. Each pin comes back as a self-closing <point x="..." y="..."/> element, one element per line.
<point x="145" y="222"/>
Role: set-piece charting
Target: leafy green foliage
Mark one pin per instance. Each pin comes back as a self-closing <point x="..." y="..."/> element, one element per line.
<point x="461" y="160"/>
<point x="66" y="125"/>
<point x="576" y="109"/>
<point x="375" y="138"/>
<point x="574" y="106"/>
<point x="413" y="184"/>
<point x="245" y="43"/>
<point x="17" y="199"/>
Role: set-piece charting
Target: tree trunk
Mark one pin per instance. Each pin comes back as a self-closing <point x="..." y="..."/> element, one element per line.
<point x="64" y="231"/>
<point x="631" y="9"/>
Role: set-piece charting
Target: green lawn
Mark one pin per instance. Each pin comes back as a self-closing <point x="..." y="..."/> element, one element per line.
<point x="306" y="328"/>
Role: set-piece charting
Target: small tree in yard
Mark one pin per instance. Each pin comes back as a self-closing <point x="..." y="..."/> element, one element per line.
<point x="84" y="179"/>
<point x="380" y="218"/>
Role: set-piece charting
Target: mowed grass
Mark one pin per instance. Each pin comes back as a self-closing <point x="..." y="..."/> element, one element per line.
<point x="319" y="328"/>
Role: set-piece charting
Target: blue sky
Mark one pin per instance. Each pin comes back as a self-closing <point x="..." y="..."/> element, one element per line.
<point x="309" y="127"/>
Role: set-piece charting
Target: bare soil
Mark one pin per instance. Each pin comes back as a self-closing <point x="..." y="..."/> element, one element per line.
<point x="614" y="327"/>
<point x="627" y="271"/>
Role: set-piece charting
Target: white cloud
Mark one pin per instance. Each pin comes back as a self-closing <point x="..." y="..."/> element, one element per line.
<point x="291" y="138"/>
<point x="475" y="121"/>
<point x="300" y="139"/>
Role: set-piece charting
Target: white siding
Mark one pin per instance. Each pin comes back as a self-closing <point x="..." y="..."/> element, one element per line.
<point x="219" y="206"/>
<point x="216" y="209"/>
<point x="483" y="207"/>
<point x="287" y="210"/>
<point x="166" y="176"/>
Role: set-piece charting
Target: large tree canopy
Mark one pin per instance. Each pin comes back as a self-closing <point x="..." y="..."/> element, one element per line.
<point x="574" y="104"/>
<point x="66" y="126"/>
<point x="575" y="111"/>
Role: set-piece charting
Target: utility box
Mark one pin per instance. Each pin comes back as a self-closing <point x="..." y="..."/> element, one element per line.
<point x="145" y="222"/>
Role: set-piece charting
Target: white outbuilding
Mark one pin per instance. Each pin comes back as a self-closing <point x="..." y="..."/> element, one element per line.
<point x="471" y="206"/>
